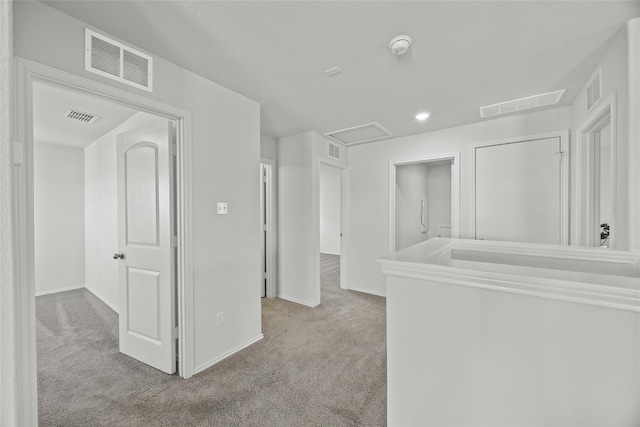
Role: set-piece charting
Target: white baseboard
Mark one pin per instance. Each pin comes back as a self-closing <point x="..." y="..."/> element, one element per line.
<point x="55" y="291"/>
<point x="223" y="356"/>
<point x="97" y="295"/>
<point x="379" y="294"/>
<point x="298" y="301"/>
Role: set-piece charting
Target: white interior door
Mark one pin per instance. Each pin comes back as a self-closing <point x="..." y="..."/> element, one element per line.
<point x="264" y="243"/>
<point x="518" y="191"/>
<point x="147" y="259"/>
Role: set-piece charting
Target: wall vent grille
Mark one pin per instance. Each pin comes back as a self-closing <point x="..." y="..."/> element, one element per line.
<point x="80" y="116"/>
<point x="334" y="151"/>
<point x="521" y="104"/>
<point x="594" y="90"/>
<point x="112" y="59"/>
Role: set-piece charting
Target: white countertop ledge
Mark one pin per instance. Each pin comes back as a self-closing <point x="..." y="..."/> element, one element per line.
<point x="592" y="276"/>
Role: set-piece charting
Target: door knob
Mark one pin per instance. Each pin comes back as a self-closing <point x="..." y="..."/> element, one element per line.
<point x="118" y="255"/>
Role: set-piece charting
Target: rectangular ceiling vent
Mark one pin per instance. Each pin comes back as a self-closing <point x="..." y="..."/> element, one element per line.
<point x="112" y="59"/>
<point x="521" y="104"/>
<point x="359" y="134"/>
<point x="334" y="151"/>
<point x="80" y="117"/>
<point x="594" y="90"/>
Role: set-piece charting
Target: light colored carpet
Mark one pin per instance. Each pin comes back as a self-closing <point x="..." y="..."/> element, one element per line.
<point x="323" y="366"/>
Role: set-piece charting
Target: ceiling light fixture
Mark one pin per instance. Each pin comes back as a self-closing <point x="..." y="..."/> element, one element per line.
<point x="422" y="116"/>
<point x="400" y="45"/>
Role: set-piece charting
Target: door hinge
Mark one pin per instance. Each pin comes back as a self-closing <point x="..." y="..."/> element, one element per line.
<point x="175" y="333"/>
<point x="18" y="157"/>
<point x="264" y="276"/>
<point x="264" y="227"/>
<point x="173" y="149"/>
<point x="174" y="241"/>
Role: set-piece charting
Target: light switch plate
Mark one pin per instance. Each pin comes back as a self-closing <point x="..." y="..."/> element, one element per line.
<point x="222" y="208"/>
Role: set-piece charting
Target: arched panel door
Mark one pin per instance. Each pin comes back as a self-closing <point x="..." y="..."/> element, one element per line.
<point x="145" y="254"/>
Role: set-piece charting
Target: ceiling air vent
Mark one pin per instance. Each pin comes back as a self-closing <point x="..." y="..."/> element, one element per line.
<point x="80" y="117"/>
<point x="594" y="90"/>
<point x="521" y="104"/>
<point x="112" y="59"/>
<point x="334" y="151"/>
<point x="359" y="134"/>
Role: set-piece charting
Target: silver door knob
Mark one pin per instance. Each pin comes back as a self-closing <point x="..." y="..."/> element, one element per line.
<point x="118" y="255"/>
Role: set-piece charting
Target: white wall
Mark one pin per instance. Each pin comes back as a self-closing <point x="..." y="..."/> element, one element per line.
<point x="439" y="190"/>
<point x="268" y="147"/>
<point x="101" y="209"/>
<point x="299" y="158"/>
<point x="368" y="220"/>
<point x="58" y="192"/>
<point x="614" y="74"/>
<point x="11" y="361"/>
<point x="466" y="356"/>
<point x="633" y="57"/>
<point x="297" y="241"/>
<point x="330" y="193"/>
<point x="411" y="189"/>
<point x="226" y="156"/>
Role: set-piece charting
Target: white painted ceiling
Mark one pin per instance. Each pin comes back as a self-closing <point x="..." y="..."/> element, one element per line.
<point x="51" y="127"/>
<point x="465" y="54"/>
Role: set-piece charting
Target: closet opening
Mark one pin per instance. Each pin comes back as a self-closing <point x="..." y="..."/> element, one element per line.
<point x="423" y="202"/>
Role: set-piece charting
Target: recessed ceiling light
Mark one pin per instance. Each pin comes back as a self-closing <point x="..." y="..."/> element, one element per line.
<point x="422" y="116"/>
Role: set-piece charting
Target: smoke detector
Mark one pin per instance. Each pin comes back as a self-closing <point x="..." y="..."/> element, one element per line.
<point x="400" y="45"/>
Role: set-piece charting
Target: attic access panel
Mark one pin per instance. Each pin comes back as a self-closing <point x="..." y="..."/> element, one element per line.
<point x="359" y="134"/>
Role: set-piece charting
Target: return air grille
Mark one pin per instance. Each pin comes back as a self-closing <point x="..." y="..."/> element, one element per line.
<point x="105" y="57"/>
<point x="359" y="134"/>
<point x="112" y="59"/>
<point x="80" y="117"/>
<point x="594" y="90"/>
<point x="334" y="151"/>
<point x="521" y="104"/>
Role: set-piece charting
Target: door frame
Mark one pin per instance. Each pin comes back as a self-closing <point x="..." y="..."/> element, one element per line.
<point x="344" y="211"/>
<point x="455" y="192"/>
<point x="586" y="198"/>
<point x="270" y="221"/>
<point x="26" y="73"/>
<point x="564" y="176"/>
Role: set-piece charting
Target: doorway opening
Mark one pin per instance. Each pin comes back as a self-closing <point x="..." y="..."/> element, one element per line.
<point x="330" y="191"/>
<point x="423" y="201"/>
<point x="28" y="74"/>
<point x="268" y="231"/>
<point x="96" y="200"/>
<point x="596" y="170"/>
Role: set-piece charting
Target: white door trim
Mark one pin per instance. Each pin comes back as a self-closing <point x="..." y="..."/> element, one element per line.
<point x="26" y="72"/>
<point x="585" y="215"/>
<point x="272" y="248"/>
<point x="564" y="177"/>
<point x="455" y="192"/>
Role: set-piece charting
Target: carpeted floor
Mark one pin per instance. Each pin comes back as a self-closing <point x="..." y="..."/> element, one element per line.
<point x="323" y="366"/>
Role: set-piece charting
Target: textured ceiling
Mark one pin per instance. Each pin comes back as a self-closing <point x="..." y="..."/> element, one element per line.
<point x="464" y="54"/>
<point x="50" y="127"/>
